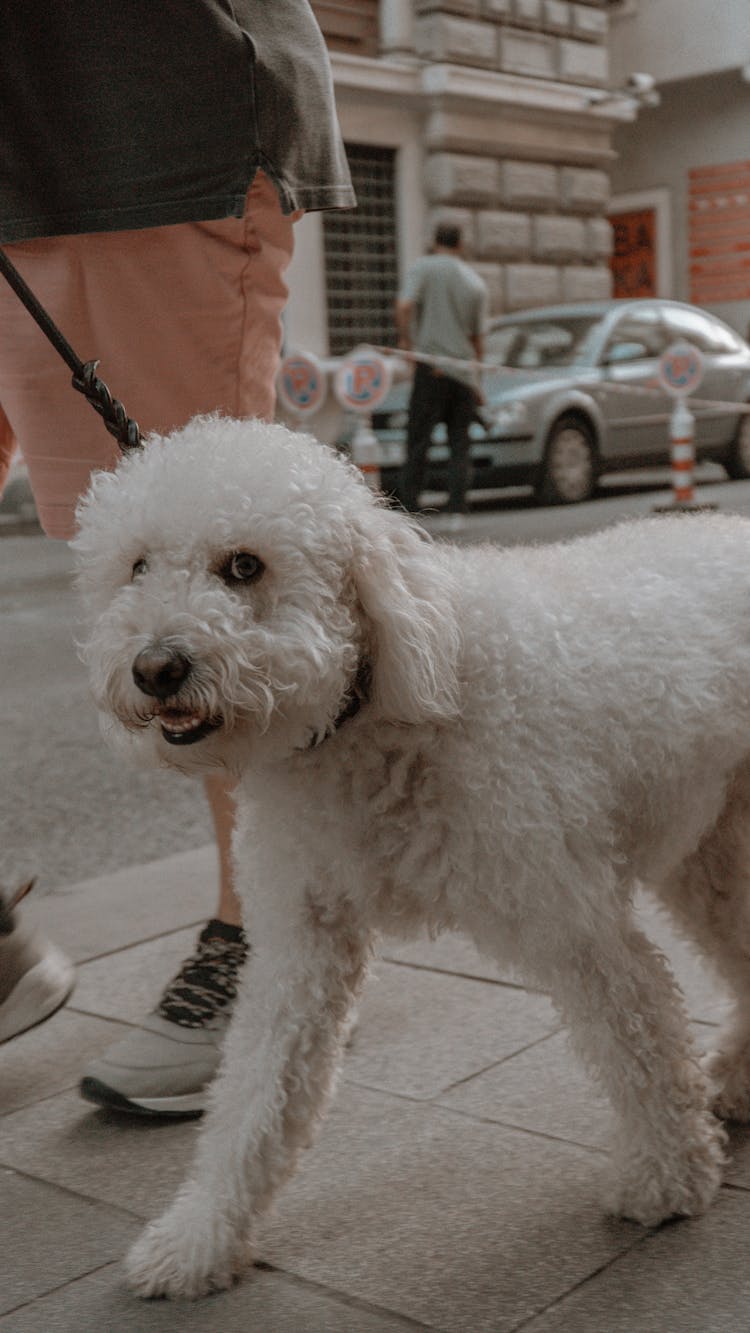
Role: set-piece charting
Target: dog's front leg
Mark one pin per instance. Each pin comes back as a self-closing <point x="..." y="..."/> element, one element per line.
<point x="279" y="1063"/>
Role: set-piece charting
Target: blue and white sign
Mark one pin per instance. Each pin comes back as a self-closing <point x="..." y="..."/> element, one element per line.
<point x="301" y="384"/>
<point x="681" y="369"/>
<point x="362" y="380"/>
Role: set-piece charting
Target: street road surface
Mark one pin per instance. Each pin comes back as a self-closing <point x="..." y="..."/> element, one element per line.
<point x="70" y="810"/>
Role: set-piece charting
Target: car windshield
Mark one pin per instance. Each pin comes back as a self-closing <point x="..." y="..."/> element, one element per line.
<point x="534" y="344"/>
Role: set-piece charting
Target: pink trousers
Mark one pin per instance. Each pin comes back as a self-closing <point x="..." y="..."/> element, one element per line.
<point x="184" y="319"/>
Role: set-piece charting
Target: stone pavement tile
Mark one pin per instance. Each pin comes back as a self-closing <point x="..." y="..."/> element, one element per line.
<point x="421" y="1031"/>
<point x="688" y="1277"/>
<point x="122" y="1160"/>
<point x="450" y="1222"/>
<point x="127" y="984"/>
<point x="546" y="1089"/>
<point x="109" y="912"/>
<point x="50" y="1237"/>
<point x="737" y="1170"/>
<point x="707" y="1000"/>
<point x="398" y="1046"/>
<point x="266" y="1302"/>
<point x="457" y="1224"/>
<point x="450" y="952"/>
<point x="49" y="1058"/>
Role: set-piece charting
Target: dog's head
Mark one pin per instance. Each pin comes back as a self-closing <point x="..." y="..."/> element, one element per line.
<point x="239" y="581"/>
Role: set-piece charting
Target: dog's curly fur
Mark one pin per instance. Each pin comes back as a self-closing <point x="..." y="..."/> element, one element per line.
<point x="538" y="731"/>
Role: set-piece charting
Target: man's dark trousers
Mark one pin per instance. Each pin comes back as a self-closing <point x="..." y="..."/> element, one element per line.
<point x="437" y="397"/>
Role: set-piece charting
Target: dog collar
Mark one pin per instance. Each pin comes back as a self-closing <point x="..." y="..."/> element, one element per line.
<point x="357" y="695"/>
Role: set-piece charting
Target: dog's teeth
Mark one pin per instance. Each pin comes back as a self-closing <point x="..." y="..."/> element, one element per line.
<point x="181" y="724"/>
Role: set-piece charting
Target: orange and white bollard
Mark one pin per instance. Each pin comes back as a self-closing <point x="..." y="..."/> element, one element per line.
<point x="682" y="457"/>
<point x="682" y="452"/>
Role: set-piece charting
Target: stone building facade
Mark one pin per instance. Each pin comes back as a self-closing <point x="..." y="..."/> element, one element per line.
<point x="525" y="176"/>
<point x="497" y="118"/>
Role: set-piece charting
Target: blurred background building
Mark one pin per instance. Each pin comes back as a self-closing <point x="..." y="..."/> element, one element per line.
<point x="681" y="177"/>
<point x="515" y="119"/>
<point x="483" y="112"/>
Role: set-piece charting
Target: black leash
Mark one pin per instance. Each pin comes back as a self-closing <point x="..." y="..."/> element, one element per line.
<point x="85" y="378"/>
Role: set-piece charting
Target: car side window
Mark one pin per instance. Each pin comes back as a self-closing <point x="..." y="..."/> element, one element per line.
<point x="637" y="336"/>
<point x="700" y="330"/>
<point x="501" y="345"/>
<point x="689" y="326"/>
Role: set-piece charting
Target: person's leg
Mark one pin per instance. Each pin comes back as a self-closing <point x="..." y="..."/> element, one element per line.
<point x="220" y="793"/>
<point x="7" y="448"/>
<point x="268" y="243"/>
<point x="459" y="414"/>
<point x="197" y="1003"/>
<point x="424" y="413"/>
<point x="186" y="320"/>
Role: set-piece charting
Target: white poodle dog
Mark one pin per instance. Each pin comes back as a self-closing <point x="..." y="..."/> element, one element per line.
<point x="503" y="742"/>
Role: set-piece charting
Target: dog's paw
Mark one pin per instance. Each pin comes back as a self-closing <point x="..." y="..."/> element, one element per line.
<point x="730" y="1083"/>
<point x="652" y="1189"/>
<point x="185" y="1254"/>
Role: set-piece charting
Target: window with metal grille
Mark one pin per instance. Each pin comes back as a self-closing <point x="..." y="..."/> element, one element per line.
<point x="360" y="254"/>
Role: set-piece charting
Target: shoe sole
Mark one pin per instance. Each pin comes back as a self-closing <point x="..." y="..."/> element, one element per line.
<point x="38" y="995"/>
<point x="187" y="1107"/>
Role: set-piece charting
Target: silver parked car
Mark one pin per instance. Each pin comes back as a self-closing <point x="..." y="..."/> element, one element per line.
<point x="569" y="404"/>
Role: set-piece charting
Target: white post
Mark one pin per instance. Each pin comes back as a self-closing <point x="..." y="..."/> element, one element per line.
<point x="366" y="452"/>
<point x="682" y="452"/>
<point x="680" y="372"/>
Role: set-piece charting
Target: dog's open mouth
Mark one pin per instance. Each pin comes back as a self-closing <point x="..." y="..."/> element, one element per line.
<point x="183" y="726"/>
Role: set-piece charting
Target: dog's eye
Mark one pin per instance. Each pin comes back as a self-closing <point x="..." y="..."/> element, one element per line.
<point x="139" y="567"/>
<point x="242" y="567"/>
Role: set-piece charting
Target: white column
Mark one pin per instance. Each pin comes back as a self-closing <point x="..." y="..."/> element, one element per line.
<point x="305" y="318"/>
<point x="396" y="27"/>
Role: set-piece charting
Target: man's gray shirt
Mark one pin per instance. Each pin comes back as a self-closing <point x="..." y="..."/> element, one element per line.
<point x="450" y="302"/>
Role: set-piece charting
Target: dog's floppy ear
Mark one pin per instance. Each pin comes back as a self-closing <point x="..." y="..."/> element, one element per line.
<point x="408" y="599"/>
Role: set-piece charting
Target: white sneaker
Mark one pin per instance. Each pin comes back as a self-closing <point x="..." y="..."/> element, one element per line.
<point x="158" y="1069"/>
<point x="36" y="978"/>
<point x="164" y="1066"/>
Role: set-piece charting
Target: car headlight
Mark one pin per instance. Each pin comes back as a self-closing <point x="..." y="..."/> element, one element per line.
<point x="507" y="417"/>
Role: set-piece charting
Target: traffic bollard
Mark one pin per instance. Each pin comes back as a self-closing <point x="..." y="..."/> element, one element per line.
<point x="680" y="372"/>
<point x="682" y="453"/>
<point x="366" y="452"/>
<point x="682" y="462"/>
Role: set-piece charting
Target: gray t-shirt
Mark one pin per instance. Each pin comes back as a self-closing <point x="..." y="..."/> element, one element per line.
<point x="450" y="302"/>
<point x="144" y="113"/>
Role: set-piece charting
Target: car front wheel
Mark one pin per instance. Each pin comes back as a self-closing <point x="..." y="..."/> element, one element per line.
<point x="737" y="462"/>
<point x="568" y="472"/>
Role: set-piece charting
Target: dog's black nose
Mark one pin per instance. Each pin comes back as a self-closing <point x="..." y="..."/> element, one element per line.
<point x="160" y="671"/>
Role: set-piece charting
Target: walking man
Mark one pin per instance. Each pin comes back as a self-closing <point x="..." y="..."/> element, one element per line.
<point x="441" y="311"/>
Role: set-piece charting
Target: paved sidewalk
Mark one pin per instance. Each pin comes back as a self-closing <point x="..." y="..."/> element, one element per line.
<point x="17" y="509"/>
<point x="456" y="1183"/>
<point x="454" y="1187"/>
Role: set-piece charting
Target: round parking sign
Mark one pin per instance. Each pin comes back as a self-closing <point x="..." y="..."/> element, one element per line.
<point x="681" y="369"/>
<point x="301" y="384"/>
<point x="362" y="381"/>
